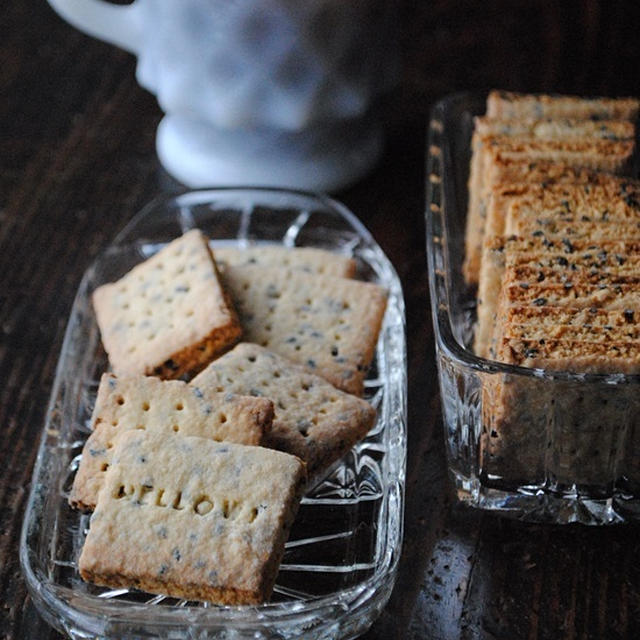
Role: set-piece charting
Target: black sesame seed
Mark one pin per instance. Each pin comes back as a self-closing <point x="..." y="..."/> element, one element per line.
<point x="567" y="244"/>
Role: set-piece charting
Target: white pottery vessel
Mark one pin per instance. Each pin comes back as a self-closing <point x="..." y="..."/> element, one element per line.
<point x="262" y="92"/>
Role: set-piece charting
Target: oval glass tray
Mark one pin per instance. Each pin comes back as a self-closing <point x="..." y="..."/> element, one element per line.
<point x="341" y="558"/>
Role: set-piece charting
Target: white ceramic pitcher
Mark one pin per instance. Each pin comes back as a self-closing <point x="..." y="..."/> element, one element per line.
<point x="262" y="92"/>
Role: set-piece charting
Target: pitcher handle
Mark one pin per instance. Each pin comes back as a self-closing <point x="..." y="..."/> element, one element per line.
<point x="117" y="24"/>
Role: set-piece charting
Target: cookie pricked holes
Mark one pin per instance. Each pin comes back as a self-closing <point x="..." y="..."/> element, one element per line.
<point x="104" y="466"/>
<point x="120" y="400"/>
<point x="304" y="430"/>
<point x="222" y="418"/>
<point x="176" y="428"/>
<point x="179" y="406"/>
<point x="145" y="406"/>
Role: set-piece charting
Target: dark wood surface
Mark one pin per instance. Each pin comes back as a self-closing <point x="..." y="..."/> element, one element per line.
<point x="77" y="161"/>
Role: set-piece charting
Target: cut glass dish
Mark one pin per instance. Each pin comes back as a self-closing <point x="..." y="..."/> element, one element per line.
<point x="568" y="445"/>
<point x="341" y="559"/>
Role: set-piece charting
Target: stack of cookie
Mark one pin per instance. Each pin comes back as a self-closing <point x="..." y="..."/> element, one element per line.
<point x="194" y="483"/>
<point x="553" y="231"/>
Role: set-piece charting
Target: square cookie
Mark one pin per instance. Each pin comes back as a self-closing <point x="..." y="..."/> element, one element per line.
<point x="192" y="518"/>
<point x="169" y="315"/>
<point x="307" y="259"/>
<point x="328" y="325"/>
<point x="167" y="407"/>
<point x="313" y="420"/>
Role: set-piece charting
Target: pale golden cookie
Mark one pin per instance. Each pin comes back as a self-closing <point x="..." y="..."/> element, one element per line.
<point x="169" y="315"/>
<point x="313" y="420"/>
<point x="192" y="518"/>
<point x="168" y="407"/>
<point x="328" y="325"/>
<point x="307" y="259"/>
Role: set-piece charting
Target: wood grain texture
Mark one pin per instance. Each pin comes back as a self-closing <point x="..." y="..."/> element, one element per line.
<point x="77" y="160"/>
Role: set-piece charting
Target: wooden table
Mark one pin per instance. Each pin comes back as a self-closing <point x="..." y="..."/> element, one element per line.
<point x="77" y="161"/>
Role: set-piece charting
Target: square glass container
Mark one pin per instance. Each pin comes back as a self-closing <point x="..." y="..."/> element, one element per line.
<point x="537" y="445"/>
<point x="341" y="559"/>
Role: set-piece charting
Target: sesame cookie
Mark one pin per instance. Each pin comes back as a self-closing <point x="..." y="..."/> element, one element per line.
<point x="167" y="407"/>
<point x="509" y="104"/>
<point x="169" y="315"/>
<point x="307" y="259"/>
<point x="192" y="518"/>
<point x="313" y="420"/>
<point x="328" y="325"/>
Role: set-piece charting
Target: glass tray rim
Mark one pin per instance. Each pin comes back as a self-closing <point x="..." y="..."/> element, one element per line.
<point x="358" y="598"/>
<point x="440" y="199"/>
